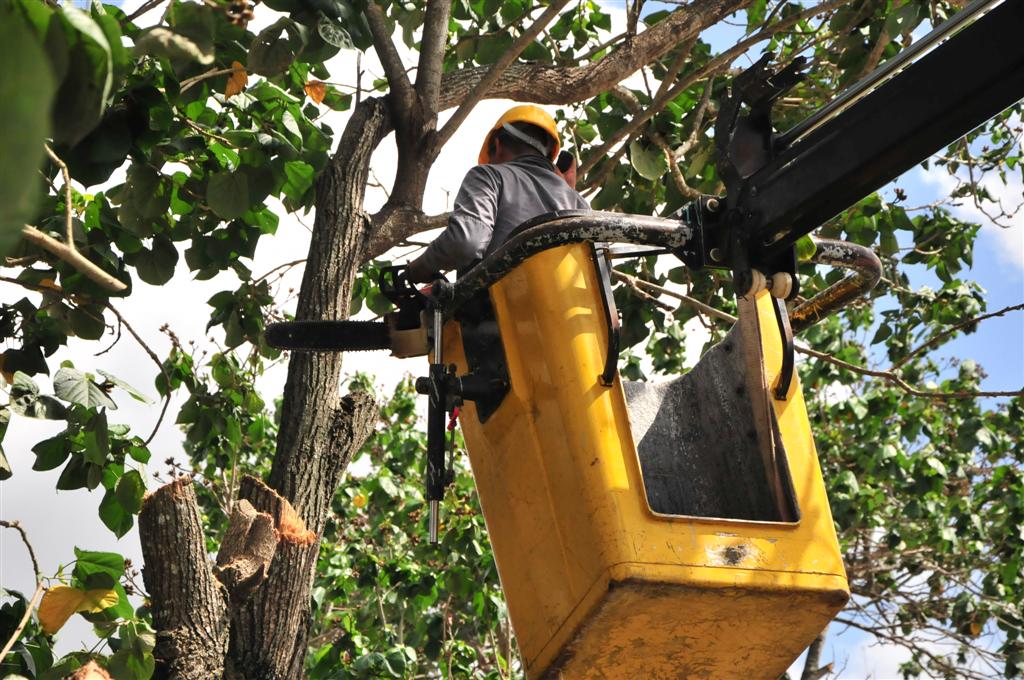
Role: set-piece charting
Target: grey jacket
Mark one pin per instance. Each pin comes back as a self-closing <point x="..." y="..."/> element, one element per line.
<point x="493" y="200"/>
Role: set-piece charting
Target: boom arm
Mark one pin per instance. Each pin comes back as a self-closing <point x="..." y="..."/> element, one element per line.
<point x="785" y="186"/>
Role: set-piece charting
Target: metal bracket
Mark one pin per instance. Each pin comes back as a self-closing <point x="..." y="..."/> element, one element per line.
<point x="611" y="315"/>
<point x="788" y="350"/>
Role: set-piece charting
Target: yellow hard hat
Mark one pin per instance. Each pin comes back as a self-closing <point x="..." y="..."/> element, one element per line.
<point x="524" y="113"/>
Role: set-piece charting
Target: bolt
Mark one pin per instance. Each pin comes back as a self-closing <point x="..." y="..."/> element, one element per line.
<point x="716" y="255"/>
<point x="712" y="205"/>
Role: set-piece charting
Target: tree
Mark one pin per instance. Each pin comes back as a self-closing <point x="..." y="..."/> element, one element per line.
<point x="211" y="119"/>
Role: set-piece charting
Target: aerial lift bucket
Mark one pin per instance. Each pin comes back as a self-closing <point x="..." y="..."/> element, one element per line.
<point x="678" y="530"/>
<point x="648" y="531"/>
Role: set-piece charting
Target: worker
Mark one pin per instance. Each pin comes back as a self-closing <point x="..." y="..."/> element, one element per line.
<point x="516" y="180"/>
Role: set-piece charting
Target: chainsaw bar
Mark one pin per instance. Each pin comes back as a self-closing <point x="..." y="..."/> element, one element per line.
<point x="328" y="336"/>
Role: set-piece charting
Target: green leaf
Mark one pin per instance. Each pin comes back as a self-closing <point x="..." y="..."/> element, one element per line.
<point x="276" y="47"/>
<point x="115" y="516"/>
<point x="649" y="161"/>
<point x="26" y="400"/>
<point x="333" y="33"/>
<point x="82" y="96"/>
<point x="90" y="563"/>
<point x="26" y="95"/>
<point x="139" y="453"/>
<point x="936" y="465"/>
<point x="86" y="322"/>
<point x="299" y="178"/>
<point x="755" y="14"/>
<point x="491" y="48"/>
<point x="156" y="266"/>
<point x="805" y="248"/>
<point x="848" y="479"/>
<point x="130" y="489"/>
<point x="51" y="453"/>
<point x="96" y="440"/>
<point x="227" y="194"/>
<point x="74" y="475"/>
<point x="888" y="243"/>
<point x="144" y="199"/>
<point x="77" y="387"/>
<point x="134" y="659"/>
<point x="132" y="392"/>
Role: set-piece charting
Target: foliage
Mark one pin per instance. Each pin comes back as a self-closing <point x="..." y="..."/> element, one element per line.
<point x="181" y="134"/>
<point x="388" y="603"/>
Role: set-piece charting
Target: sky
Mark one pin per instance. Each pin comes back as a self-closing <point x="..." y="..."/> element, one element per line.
<point x="57" y="521"/>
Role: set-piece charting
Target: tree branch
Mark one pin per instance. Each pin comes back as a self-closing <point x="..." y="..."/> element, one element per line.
<point x="189" y="605"/>
<point x="953" y="329"/>
<point x="497" y="69"/>
<point x="633" y="104"/>
<point x="145" y="7"/>
<point x="29" y="608"/>
<point x="394" y="70"/>
<point x="212" y="73"/>
<point x="69" y="235"/>
<point x="811" y="670"/>
<point x="722" y="60"/>
<point x="889" y="376"/>
<point x="34" y="600"/>
<point x="431" y="61"/>
<point x="393" y="227"/>
<point x="7" y="524"/>
<point x="69" y="254"/>
<point x="552" y="84"/>
<point x="910" y="644"/>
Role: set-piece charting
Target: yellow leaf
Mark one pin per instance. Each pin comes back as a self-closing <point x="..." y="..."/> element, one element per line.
<point x="359" y="501"/>
<point x="975" y="629"/>
<point x="60" y="602"/>
<point x="316" y="90"/>
<point x="237" y="81"/>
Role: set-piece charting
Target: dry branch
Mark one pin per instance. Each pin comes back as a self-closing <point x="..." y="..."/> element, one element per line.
<point x="40" y="588"/>
<point x="69" y="254"/>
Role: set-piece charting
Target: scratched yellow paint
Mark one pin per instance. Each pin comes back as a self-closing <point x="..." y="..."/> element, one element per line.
<point x="598" y="586"/>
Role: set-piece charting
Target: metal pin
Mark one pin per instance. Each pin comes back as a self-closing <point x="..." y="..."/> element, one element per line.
<point x="433" y="520"/>
<point x="438" y="330"/>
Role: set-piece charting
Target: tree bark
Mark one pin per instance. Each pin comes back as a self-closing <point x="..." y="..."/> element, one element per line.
<point x="319" y="431"/>
<point x="189" y="605"/>
<point x="811" y="670"/>
<point x="550" y="84"/>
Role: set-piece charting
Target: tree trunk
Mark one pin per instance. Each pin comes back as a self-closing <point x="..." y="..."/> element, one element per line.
<point x="262" y="633"/>
<point x="189" y="605"/>
<point x="319" y="432"/>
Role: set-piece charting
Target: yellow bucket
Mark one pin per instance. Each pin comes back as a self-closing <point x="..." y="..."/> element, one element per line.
<point x="736" y="568"/>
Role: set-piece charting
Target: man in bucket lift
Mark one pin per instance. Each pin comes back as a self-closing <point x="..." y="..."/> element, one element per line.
<point x="515" y="181"/>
